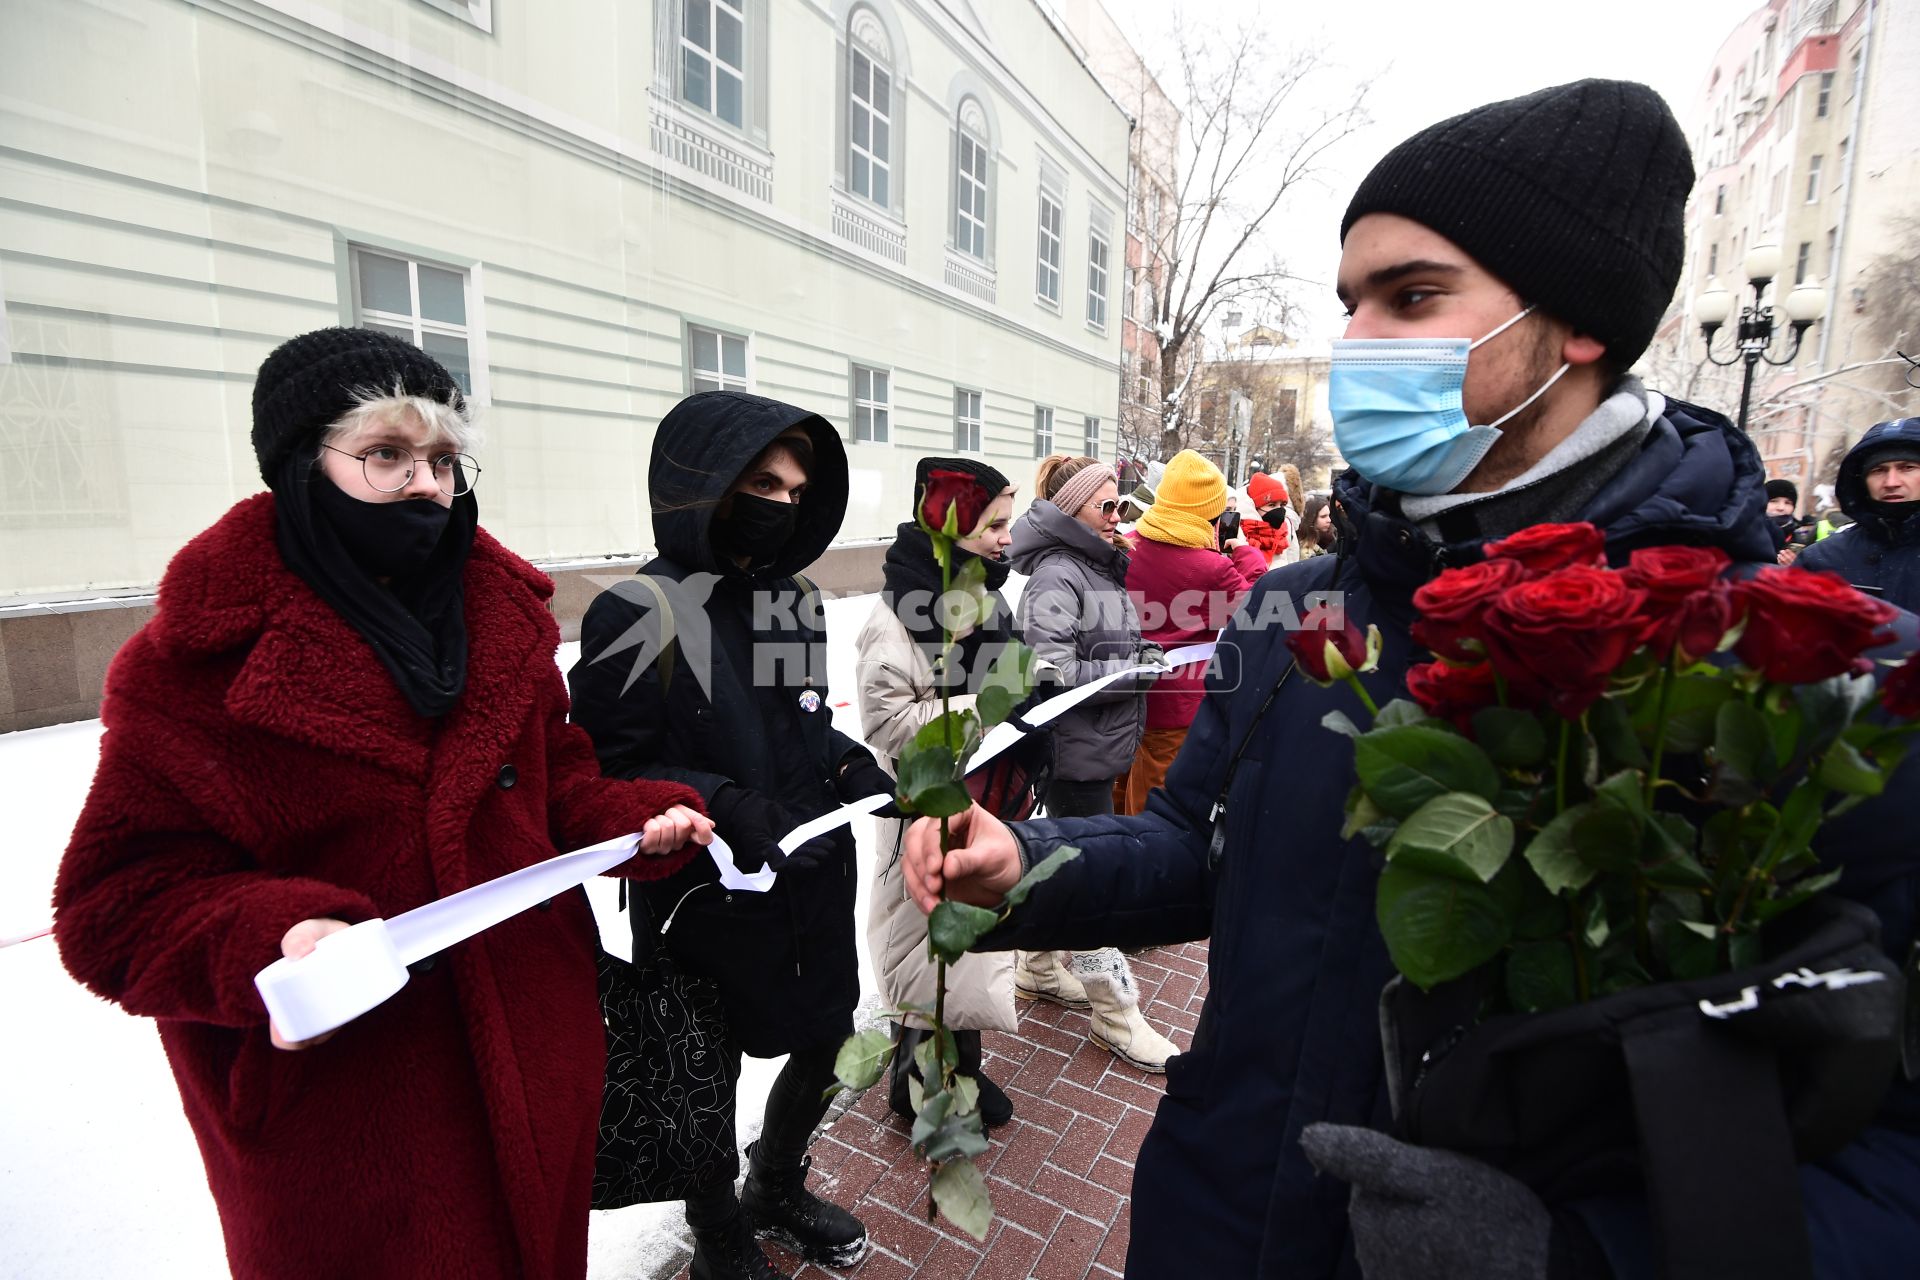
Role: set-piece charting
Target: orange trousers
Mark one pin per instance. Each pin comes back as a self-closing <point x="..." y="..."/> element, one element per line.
<point x="1150" y="764"/>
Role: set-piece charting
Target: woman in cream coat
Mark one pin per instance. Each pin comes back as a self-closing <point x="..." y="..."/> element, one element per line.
<point x="899" y="697"/>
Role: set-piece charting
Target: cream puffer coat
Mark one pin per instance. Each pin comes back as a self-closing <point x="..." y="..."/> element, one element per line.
<point x="897" y="700"/>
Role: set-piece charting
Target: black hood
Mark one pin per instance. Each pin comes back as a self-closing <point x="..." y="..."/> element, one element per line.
<point x="1696" y="481"/>
<point x="1850" y="487"/>
<point x="700" y="449"/>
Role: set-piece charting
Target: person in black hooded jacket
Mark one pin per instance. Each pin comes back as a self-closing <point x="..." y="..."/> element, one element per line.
<point x="1879" y="486"/>
<point x="729" y="696"/>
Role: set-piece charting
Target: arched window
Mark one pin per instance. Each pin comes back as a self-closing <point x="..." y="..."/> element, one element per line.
<point x="973" y="156"/>
<point x="870" y="108"/>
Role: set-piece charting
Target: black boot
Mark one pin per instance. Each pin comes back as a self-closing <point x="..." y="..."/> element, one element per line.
<point x="730" y="1253"/>
<point x="996" y="1108"/>
<point x="781" y="1208"/>
<point x="901" y="1069"/>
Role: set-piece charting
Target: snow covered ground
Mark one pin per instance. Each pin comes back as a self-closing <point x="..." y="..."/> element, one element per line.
<point x="99" y="1174"/>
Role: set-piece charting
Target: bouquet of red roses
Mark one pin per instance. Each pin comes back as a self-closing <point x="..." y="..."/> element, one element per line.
<point x="1609" y="778"/>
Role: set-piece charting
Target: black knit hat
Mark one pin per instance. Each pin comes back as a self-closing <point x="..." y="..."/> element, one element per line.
<point x="1574" y="196"/>
<point x="1783" y="489"/>
<point x="310" y="381"/>
<point x="991" y="479"/>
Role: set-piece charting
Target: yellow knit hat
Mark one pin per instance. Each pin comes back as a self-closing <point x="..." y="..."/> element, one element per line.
<point x="1191" y="494"/>
<point x="1192" y="486"/>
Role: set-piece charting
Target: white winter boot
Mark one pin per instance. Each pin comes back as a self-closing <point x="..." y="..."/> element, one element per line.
<point x="1044" y="975"/>
<point x="1117" y="1023"/>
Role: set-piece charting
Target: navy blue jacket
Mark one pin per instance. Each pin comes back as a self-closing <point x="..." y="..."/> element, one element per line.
<point x="1876" y="552"/>
<point x="1289" y="1034"/>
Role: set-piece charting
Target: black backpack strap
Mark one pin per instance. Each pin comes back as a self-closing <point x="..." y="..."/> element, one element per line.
<point x="1716" y="1152"/>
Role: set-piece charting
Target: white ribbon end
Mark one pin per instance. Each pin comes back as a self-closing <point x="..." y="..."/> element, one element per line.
<point x="346" y="974"/>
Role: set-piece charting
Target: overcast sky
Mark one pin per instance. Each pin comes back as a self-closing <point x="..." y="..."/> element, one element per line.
<point x="1431" y="60"/>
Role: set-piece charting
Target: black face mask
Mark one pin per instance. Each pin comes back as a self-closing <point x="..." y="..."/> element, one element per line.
<point x="758" y="527"/>
<point x="386" y="539"/>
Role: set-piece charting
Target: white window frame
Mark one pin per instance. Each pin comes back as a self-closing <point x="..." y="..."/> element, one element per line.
<point x="1042" y="431"/>
<point x="864" y="105"/>
<point x="1802" y="262"/>
<point x="479" y="13"/>
<point x="972" y="185"/>
<point x="1813" y="178"/>
<point x="969" y="429"/>
<point x="1823" y="104"/>
<point x="1093" y="436"/>
<point x="1099" y="273"/>
<point x="683" y="46"/>
<point x="417" y="325"/>
<point x="878" y="406"/>
<point x="722" y="380"/>
<point x="1047" y="255"/>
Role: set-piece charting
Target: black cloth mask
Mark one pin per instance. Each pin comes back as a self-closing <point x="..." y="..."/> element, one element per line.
<point x="387" y="539"/>
<point x="338" y="545"/>
<point x="757" y="527"/>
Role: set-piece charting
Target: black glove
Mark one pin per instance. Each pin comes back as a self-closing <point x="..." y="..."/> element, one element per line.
<point x="1422" y="1214"/>
<point x="1151" y="654"/>
<point x="750" y="824"/>
<point x="1046" y="684"/>
<point x="862" y="777"/>
<point x="807" y="856"/>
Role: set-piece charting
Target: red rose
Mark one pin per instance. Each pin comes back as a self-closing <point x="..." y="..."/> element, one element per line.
<point x="1807" y="626"/>
<point x="1901" y="692"/>
<point x="1546" y="547"/>
<point x="1310" y="642"/>
<point x="1689" y="604"/>
<point x="1453" y="693"/>
<point x="1565" y="634"/>
<point x="1453" y="604"/>
<point x="947" y="490"/>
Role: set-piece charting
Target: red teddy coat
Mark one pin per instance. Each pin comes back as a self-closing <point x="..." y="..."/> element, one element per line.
<point x="260" y="768"/>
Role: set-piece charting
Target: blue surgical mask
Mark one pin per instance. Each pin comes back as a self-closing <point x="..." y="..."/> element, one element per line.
<point x="1397" y="414"/>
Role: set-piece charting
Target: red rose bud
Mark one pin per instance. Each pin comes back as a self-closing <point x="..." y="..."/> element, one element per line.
<point x="1689" y="606"/>
<point x="954" y="491"/>
<point x="1542" y="548"/>
<point x="1565" y="633"/>
<point x="1453" y="693"/>
<point x="1453" y="605"/>
<point x="1326" y="654"/>
<point x="1806" y="626"/>
<point x="1901" y="692"/>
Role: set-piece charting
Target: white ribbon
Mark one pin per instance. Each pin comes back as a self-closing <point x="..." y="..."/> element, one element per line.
<point x="357" y="968"/>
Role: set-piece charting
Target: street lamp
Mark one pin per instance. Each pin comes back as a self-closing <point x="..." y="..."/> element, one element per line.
<point x="1754" y="336"/>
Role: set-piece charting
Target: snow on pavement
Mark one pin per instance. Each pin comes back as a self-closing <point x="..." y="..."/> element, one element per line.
<point x="99" y="1174"/>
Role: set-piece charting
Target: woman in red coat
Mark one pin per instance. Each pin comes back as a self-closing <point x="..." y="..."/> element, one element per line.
<point x="345" y="706"/>
<point x="1186" y="586"/>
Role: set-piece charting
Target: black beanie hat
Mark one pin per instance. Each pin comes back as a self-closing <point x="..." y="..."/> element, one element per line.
<point x="991" y="479"/>
<point x="1574" y="196"/>
<point x="1783" y="489"/>
<point x="310" y="381"/>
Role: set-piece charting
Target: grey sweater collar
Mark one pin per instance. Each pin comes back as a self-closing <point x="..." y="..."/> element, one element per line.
<point x="1559" y="485"/>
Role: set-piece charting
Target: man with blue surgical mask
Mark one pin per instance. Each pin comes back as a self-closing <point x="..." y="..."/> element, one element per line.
<point x="1502" y="271"/>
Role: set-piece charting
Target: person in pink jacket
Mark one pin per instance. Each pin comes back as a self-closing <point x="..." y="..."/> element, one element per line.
<point x="1185" y="583"/>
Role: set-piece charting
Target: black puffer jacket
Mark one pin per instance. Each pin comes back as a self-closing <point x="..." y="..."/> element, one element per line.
<point x="1877" y="552"/>
<point x="745" y="701"/>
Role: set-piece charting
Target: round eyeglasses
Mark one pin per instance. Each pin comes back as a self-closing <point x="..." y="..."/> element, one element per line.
<point x="390" y="470"/>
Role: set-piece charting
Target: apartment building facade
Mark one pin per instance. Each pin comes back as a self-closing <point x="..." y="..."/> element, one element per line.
<point x="909" y="215"/>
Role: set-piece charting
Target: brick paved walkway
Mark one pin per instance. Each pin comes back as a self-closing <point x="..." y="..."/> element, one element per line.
<point x="1060" y="1173"/>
